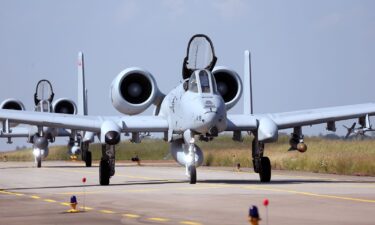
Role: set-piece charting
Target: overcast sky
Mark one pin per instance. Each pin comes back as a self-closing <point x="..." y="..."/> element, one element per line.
<point x="305" y="54"/>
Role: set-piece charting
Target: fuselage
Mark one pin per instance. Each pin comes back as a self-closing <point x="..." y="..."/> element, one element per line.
<point x="195" y="105"/>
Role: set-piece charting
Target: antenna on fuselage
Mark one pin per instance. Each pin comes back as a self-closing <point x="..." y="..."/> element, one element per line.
<point x="248" y="87"/>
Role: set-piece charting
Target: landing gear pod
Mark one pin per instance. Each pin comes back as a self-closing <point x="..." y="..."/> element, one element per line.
<point x="180" y="153"/>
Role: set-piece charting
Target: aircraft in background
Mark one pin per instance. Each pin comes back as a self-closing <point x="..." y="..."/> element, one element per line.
<point x="40" y="137"/>
<point x="196" y="108"/>
<point x="359" y="131"/>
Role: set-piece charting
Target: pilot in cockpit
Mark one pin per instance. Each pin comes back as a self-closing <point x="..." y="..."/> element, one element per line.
<point x="193" y="86"/>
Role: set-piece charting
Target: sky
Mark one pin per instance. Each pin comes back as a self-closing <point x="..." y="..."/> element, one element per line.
<point x="305" y="54"/>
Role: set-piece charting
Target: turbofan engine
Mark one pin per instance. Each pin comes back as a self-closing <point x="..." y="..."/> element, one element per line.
<point x="229" y="85"/>
<point x="65" y="106"/>
<point x="12" y="104"/>
<point x="134" y="90"/>
<point x="180" y="152"/>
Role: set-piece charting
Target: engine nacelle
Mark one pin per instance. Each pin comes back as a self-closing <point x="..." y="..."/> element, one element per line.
<point x="229" y="85"/>
<point x="134" y="90"/>
<point x="180" y="152"/>
<point x="12" y="104"/>
<point x="65" y="106"/>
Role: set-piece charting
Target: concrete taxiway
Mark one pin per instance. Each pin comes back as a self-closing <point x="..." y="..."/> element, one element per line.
<point x="160" y="194"/>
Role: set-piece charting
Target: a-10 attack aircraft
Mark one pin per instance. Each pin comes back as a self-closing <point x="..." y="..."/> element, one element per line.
<point x="40" y="137"/>
<point x="196" y="108"/>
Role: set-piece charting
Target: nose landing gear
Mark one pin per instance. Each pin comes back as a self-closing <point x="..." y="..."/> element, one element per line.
<point x="192" y="174"/>
<point x="191" y="170"/>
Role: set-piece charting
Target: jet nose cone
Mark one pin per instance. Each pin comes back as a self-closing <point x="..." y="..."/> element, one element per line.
<point x="209" y="117"/>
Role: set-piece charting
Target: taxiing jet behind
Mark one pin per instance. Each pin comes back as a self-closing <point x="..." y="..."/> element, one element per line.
<point x="41" y="136"/>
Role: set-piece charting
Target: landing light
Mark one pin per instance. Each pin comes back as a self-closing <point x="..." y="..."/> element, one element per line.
<point x="189" y="158"/>
<point x="38" y="152"/>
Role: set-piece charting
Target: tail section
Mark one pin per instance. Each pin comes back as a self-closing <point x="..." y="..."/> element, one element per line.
<point x="248" y="90"/>
<point x="82" y="91"/>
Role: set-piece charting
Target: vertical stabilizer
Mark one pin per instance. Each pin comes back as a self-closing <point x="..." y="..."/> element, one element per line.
<point x="82" y="92"/>
<point x="248" y="89"/>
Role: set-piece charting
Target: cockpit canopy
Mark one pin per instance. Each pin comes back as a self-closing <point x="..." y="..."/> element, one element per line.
<point x="200" y="55"/>
<point x="43" y="92"/>
<point x="202" y="81"/>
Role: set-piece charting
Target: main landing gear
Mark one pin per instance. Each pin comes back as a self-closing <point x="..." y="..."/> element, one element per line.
<point x="107" y="164"/>
<point x="86" y="154"/>
<point x="262" y="164"/>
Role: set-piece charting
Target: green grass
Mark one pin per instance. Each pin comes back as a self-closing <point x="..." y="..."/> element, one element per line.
<point x="323" y="156"/>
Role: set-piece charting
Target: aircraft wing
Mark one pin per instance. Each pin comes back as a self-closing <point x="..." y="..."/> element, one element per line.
<point x="321" y="115"/>
<point x="85" y="123"/>
<point x="241" y="123"/>
<point x="16" y="132"/>
<point x="20" y="132"/>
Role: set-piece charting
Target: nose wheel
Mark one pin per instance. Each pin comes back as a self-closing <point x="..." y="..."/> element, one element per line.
<point x="193" y="174"/>
<point x="38" y="161"/>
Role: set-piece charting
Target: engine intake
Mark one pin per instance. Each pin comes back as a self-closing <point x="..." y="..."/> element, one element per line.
<point x="229" y="85"/>
<point x="134" y="90"/>
<point x="13" y="104"/>
<point x="65" y="106"/>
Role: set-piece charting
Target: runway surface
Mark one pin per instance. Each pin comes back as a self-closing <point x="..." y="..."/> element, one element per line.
<point x="160" y="194"/>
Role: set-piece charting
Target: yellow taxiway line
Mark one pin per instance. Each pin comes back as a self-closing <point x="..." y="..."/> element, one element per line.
<point x="190" y="223"/>
<point x="133" y="216"/>
<point x="158" y="219"/>
<point x="104" y="211"/>
<point x="311" y="194"/>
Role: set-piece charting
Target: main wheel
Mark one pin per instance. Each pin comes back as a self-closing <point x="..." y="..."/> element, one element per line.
<point x="193" y="174"/>
<point x="88" y="159"/>
<point x="104" y="172"/>
<point x="265" y="169"/>
<point x="39" y="161"/>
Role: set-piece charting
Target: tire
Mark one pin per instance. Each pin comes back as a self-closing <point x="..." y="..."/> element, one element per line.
<point x="265" y="169"/>
<point x="39" y="161"/>
<point x="104" y="172"/>
<point x="88" y="159"/>
<point x="193" y="174"/>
